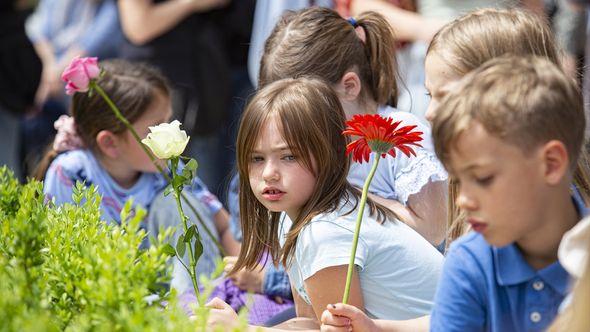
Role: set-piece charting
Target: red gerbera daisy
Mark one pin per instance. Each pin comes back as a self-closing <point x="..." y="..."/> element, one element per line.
<point x="380" y="135"/>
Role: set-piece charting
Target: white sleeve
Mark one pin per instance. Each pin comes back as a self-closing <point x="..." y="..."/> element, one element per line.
<point x="323" y="244"/>
<point x="416" y="173"/>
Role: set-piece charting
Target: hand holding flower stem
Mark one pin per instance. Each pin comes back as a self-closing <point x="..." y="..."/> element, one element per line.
<point x="382" y="136"/>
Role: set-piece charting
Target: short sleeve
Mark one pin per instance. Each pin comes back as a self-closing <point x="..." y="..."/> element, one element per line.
<point x="202" y="193"/>
<point x="459" y="303"/>
<point x="323" y="244"/>
<point x="418" y="172"/>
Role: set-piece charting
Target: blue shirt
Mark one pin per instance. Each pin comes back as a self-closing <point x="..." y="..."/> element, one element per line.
<point x="486" y="288"/>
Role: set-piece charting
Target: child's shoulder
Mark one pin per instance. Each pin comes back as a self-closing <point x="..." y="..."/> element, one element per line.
<point x="73" y="164"/>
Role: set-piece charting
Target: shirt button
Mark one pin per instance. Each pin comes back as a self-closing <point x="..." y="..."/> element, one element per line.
<point x="538" y="285"/>
<point x="535" y="317"/>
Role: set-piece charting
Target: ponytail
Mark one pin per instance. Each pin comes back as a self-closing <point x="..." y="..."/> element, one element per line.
<point x="380" y="50"/>
<point x="318" y="42"/>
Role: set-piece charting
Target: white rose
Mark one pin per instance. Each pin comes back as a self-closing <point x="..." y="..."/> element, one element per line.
<point x="166" y="140"/>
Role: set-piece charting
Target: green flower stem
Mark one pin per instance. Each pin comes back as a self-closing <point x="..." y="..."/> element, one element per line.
<point x="121" y="118"/>
<point x="192" y="263"/>
<point x="359" y="219"/>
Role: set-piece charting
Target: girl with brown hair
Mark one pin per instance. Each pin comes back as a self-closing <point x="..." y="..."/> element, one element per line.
<point x="296" y="203"/>
<point x="93" y="147"/>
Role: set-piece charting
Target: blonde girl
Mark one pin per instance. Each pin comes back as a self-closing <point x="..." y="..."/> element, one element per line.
<point x="296" y="203"/>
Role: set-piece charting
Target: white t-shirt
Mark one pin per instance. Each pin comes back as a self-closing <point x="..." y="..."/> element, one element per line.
<point x="398" y="178"/>
<point x="398" y="268"/>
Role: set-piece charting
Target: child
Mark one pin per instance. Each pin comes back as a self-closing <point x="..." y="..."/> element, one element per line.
<point x="468" y="42"/>
<point x="510" y="132"/>
<point x="291" y="170"/>
<point x="357" y="58"/>
<point x="95" y="148"/>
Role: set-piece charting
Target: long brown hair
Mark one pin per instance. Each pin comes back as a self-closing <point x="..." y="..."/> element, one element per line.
<point x="312" y="121"/>
<point x="131" y="86"/>
<point x="319" y="42"/>
<point x="469" y="41"/>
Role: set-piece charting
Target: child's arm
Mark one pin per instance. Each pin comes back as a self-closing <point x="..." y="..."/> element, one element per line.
<point x="220" y="216"/>
<point x="327" y="286"/>
<point x="425" y="211"/>
<point x="230" y="245"/>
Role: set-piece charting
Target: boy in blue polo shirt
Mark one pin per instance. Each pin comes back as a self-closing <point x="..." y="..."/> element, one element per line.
<point x="510" y="134"/>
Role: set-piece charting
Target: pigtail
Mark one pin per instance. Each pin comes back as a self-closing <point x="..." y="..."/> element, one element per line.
<point x="380" y="50"/>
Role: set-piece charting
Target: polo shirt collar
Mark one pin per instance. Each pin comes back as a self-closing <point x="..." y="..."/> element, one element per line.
<point x="512" y="269"/>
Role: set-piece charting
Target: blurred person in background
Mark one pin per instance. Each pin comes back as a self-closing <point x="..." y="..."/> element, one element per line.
<point x="20" y="74"/>
<point x="201" y="46"/>
<point x="61" y="30"/>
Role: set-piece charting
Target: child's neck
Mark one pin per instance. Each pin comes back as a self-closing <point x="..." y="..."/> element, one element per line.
<point x="121" y="174"/>
<point x="539" y="248"/>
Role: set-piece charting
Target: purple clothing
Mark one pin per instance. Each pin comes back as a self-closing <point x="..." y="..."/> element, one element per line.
<point x="261" y="309"/>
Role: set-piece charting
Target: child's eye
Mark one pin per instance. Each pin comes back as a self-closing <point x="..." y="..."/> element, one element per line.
<point x="428" y="94"/>
<point x="289" y="157"/>
<point x="256" y="159"/>
<point x="484" y="181"/>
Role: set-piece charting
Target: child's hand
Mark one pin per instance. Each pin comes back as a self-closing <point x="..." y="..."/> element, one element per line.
<point x="248" y="280"/>
<point x="344" y="317"/>
<point x="221" y="314"/>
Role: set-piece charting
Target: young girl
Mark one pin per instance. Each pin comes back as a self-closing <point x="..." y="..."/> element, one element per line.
<point x="296" y="203"/>
<point x="357" y="58"/>
<point x="94" y="147"/>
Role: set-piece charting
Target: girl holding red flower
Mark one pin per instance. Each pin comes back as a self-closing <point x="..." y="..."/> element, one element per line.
<point x="297" y="205"/>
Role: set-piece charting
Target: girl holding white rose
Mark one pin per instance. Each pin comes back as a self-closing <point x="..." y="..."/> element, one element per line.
<point x="94" y="147"/>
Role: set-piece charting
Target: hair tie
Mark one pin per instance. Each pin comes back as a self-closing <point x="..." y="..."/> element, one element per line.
<point x="352" y="22"/>
<point x="67" y="138"/>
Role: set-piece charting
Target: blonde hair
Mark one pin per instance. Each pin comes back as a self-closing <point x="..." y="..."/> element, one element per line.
<point x="312" y="120"/>
<point x="525" y="101"/>
<point x="318" y="41"/>
<point x="471" y="40"/>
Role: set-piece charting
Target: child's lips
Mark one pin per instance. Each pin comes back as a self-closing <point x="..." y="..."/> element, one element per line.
<point x="273" y="194"/>
<point x="477" y="225"/>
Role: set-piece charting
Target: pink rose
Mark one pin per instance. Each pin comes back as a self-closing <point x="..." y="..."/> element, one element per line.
<point x="79" y="74"/>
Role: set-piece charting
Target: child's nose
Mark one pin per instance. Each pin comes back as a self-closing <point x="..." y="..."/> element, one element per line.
<point x="270" y="172"/>
<point x="465" y="202"/>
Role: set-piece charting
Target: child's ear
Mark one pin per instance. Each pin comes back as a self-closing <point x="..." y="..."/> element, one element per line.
<point x="556" y="161"/>
<point x="108" y="143"/>
<point x="350" y="86"/>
